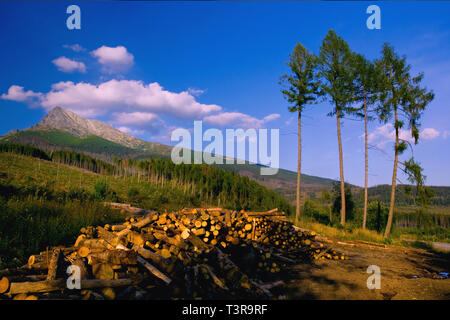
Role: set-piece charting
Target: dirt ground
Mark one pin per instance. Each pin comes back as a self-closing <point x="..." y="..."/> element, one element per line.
<point x="406" y="274"/>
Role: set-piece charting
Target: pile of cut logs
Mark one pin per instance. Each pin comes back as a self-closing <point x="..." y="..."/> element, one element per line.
<point x="211" y="253"/>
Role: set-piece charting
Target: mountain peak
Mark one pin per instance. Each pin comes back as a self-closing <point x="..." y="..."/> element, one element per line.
<point x="64" y="120"/>
<point x="57" y="111"/>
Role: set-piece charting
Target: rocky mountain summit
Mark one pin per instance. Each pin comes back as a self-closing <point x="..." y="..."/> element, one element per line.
<point x="67" y="121"/>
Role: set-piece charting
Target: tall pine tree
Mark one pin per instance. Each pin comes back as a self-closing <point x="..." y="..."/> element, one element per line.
<point x="366" y="87"/>
<point x="401" y="100"/>
<point x="300" y="88"/>
<point x="336" y="73"/>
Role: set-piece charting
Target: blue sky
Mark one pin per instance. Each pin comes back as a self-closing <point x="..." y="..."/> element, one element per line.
<point x="151" y="67"/>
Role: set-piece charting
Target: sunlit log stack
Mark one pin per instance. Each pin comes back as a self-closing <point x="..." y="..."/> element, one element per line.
<point x="203" y="253"/>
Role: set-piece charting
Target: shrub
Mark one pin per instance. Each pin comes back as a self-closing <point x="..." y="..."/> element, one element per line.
<point x="319" y="213"/>
<point x="377" y="216"/>
<point x="30" y="225"/>
<point x="133" y="192"/>
<point x="78" y="194"/>
<point x="349" y="203"/>
<point x="101" y="189"/>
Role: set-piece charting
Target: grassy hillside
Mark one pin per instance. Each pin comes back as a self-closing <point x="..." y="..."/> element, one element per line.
<point x="40" y="206"/>
<point x="155" y="184"/>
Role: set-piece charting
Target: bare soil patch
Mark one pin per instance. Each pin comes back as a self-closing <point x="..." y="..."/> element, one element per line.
<point x="406" y="274"/>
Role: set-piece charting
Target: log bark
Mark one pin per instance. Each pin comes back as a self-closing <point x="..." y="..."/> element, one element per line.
<point x="147" y="254"/>
<point x="118" y="227"/>
<point x="60" y="284"/>
<point x="216" y="280"/>
<point x="197" y="242"/>
<point x="262" y="289"/>
<point x="53" y="264"/>
<point x="94" y="244"/>
<point x="38" y="261"/>
<point x="273" y="212"/>
<point x="234" y="276"/>
<point x="80" y="263"/>
<point x="114" y="239"/>
<point x="103" y="271"/>
<point x="154" y="270"/>
<point x="116" y="256"/>
<point x="142" y="223"/>
<point x="171" y="240"/>
<point x="136" y="238"/>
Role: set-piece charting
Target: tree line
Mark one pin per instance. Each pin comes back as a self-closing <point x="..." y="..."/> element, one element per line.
<point x="383" y="89"/>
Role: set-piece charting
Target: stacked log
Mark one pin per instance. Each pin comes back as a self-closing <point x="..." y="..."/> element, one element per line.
<point x="193" y="253"/>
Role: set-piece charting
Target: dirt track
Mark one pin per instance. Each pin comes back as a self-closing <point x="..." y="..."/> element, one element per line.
<point x="406" y="274"/>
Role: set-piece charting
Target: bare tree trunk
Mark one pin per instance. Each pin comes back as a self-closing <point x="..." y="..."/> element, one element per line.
<point x="366" y="168"/>
<point x="394" y="182"/>
<point x="341" y="167"/>
<point x="299" y="165"/>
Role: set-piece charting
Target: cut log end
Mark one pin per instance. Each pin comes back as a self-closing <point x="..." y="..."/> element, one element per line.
<point x="4" y="284"/>
<point x="83" y="252"/>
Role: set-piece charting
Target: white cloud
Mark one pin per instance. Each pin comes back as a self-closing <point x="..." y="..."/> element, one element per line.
<point x="74" y="47"/>
<point x="114" y="59"/>
<point x="166" y="134"/>
<point x="289" y="121"/>
<point x="145" y="121"/>
<point x="67" y="65"/>
<point x="429" y="134"/>
<point x="134" y="118"/>
<point x="131" y="131"/>
<point x="239" y="120"/>
<point x="271" y="117"/>
<point x="90" y="100"/>
<point x="386" y="133"/>
<point x="17" y="93"/>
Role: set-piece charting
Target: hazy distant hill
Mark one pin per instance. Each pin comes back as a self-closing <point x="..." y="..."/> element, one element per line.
<point x="383" y="193"/>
